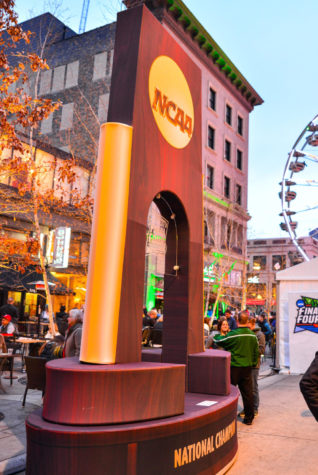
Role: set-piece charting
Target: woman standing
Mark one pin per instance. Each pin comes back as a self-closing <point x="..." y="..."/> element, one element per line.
<point x="73" y="335"/>
<point x="222" y="329"/>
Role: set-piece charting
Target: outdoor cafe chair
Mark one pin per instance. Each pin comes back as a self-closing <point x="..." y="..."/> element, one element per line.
<point x="36" y="376"/>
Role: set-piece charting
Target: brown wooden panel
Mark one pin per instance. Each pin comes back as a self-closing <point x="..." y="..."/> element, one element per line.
<point x="151" y="354"/>
<point x="209" y="372"/>
<point x="78" y="393"/>
<point x="121" y="100"/>
<point x="130" y="318"/>
<point x="177" y="174"/>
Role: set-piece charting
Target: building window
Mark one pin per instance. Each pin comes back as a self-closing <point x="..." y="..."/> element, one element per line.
<point x="239" y="159"/>
<point x="209" y="227"/>
<point x="72" y="74"/>
<point x="238" y="197"/>
<point x="110" y="58"/>
<point x="211" y="136"/>
<point x="226" y="233"/>
<point x="209" y="176"/>
<point x="206" y="233"/>
<point x="227" y="150"/>
<point x="212" y="99"/>
<point x="259" y="263"/>
<point x="58" y="78"/>
<point x="240" y="238"/>
<point x="227" y="187"/>
<point x="100" y="62"/>
<point x="239" y="125"/>
<point x="67" y="116"/>
<point x="228" y="114"/>
<point x="103" y="107"/>
<point x="46" y="124"/>
<point x="45" y="84"/>
<point x="278" y="262"/>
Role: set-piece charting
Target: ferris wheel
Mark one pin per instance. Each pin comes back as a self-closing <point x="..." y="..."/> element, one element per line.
<point x="301" y="206"/>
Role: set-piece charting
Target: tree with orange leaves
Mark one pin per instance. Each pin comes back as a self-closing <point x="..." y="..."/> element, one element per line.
<point x="20" y="114"/>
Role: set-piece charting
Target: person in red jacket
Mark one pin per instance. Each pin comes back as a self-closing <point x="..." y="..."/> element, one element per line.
<point x="7" y="328"/>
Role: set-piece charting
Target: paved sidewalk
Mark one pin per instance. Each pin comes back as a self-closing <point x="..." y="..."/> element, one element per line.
<point x="12" y="427"/>
<point x="284" y="436"/>
<point x="282" y="440"/>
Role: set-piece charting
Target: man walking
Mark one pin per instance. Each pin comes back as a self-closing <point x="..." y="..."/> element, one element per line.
<point x="243" y="346"/>
<point x="255" y="371"/>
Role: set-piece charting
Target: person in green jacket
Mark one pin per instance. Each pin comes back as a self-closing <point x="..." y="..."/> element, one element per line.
<point x="243" y="346"/>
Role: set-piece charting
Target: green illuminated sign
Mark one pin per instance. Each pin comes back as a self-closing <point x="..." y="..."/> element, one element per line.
<point x="216" y="199"/>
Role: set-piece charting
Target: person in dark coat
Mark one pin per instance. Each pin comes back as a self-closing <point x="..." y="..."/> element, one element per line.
<point x="61" y="320"/>
<point x="73" y="335"/>
<point x="52" y="349"/>
<point x="150" y="319"/>
<point x="264" y="326"/>
<point x="255" y="371"/>
<point x="230" y="320"/>
<point x="309" y="387"/>
<point x="156" y="331"/>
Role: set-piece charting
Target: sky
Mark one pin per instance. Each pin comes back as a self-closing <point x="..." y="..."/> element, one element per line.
<point x="273" y="44"/>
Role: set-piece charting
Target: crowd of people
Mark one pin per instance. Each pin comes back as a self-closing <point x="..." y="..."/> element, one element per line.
<point x="65" y="343"/>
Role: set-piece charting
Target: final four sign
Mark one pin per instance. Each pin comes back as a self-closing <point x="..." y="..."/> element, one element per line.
<point x="307" y="315"/>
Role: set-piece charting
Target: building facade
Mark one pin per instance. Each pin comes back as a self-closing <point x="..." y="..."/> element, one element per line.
<point x="265" y="258"/>
<point x="20" y="273"/>
<point x="80" y="77"/>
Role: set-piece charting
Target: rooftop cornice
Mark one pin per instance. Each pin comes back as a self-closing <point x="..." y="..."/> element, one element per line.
<point x="183" y="16"/>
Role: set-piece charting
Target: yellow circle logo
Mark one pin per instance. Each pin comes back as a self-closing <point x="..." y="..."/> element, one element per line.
<point x="171" y="102"/>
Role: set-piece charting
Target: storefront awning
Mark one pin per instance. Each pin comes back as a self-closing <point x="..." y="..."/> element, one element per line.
<point x="30" y="281"/>
<point x="255" y="301"/>
<point x="259" y="302"/>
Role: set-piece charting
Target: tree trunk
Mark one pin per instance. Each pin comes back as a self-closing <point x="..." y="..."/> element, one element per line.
<point x="45" y="279"/>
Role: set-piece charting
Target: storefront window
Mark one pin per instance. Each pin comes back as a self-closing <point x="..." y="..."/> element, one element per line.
<point x="84" y="252"/>
<point x="259" y="262"/>
<point x="30" y="305"/>
<point x="74" y="252"/>
<point x="278" y="262"/>
<point x="16" y="297"/>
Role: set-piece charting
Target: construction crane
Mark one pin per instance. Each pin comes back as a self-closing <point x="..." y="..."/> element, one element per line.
<point x="83" y="20"/>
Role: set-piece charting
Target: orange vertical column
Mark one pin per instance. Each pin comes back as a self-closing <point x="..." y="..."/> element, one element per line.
<point x="100" y="327"/>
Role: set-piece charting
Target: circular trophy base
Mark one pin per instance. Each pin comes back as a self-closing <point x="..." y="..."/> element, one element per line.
<point x="203" y="440"/>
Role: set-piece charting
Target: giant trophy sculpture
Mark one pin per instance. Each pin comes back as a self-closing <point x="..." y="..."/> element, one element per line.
<point x="119" y="410"/>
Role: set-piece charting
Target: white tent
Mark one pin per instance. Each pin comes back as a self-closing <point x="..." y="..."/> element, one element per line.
<point x="297" y="322"/>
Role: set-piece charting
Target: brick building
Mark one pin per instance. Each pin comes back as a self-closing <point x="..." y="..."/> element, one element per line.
<point x="265" y="258"/>
<point x="80" y="75"/>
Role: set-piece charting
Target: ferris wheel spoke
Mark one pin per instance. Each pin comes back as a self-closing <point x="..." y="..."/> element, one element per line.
<point x="302" y="153"/>
<point x="307" y="209"/>
<point x="311" y="183"/>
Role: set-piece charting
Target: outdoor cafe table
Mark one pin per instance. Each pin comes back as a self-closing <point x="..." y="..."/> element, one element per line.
<point x="26" y="345"/>
<point x="35" y="323"/>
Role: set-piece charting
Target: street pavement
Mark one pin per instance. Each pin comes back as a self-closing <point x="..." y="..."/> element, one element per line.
<point x="282" y="440"/>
